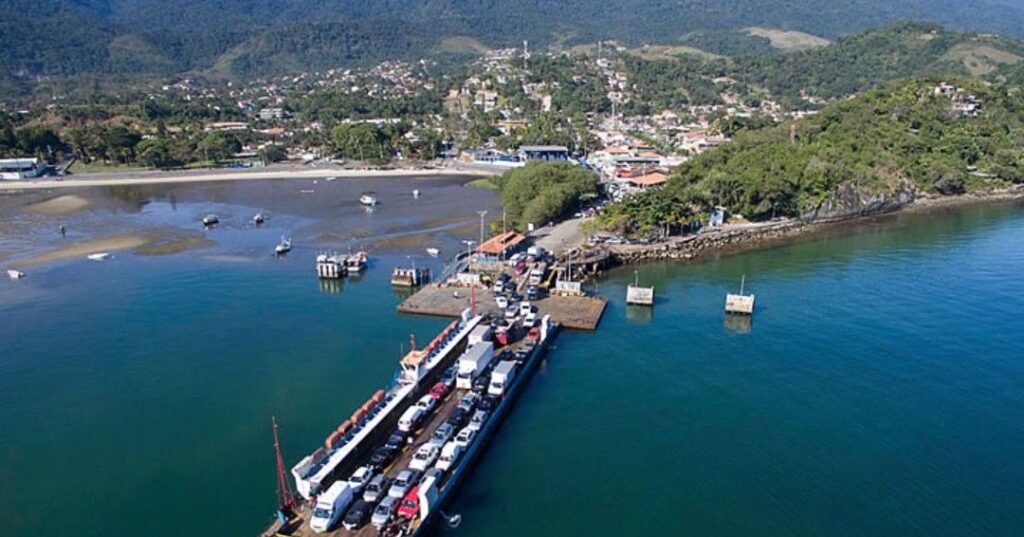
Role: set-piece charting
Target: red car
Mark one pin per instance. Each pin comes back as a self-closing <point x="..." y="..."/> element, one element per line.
<point x="410" y="506"/>
<point x="439" y="390"/>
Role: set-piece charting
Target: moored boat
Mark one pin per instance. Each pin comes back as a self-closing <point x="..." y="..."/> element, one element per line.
<point x="99" y="256"/>
<point x="356" y="263"/>
<point x="15" y="274"/>
<point x="210" y="220"/>
<point x="283" y="247"/>
<point x="368" y="200"/>
<point x="433" y="252"/>
<point x="257" y="219"/>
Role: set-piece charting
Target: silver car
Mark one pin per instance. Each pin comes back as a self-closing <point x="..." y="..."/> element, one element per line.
<point x="442" y="435"/>
<point x="376" y="489"/>
<point x="383" y="512"/>
<point x="406" y="480"/>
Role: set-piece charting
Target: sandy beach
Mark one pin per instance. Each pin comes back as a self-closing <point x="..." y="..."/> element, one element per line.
<point x="274" y="172"/>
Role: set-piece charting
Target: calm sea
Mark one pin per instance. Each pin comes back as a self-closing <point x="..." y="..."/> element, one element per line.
<point x="878" y="390"/>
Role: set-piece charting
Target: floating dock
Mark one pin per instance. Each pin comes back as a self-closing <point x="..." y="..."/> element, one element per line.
<point x="576" y="312"/>
<point x="740" y="304"/>
<point x="641" y="296"/>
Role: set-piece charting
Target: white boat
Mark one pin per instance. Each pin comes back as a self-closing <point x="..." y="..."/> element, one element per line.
<point x="210" y="220"/>
<point x="434" y="252"/>
<point x="283" y="247"/>
<point x="356" y="263"/>
<point x="15" y="274"/>
<point x="416" y="193"/>
<point x="99" y="256"/>
<point x="368" y="200"/>
<point x="307" y="191"/>
<point x="258" y="219"/>
<point x="331" y="178"/>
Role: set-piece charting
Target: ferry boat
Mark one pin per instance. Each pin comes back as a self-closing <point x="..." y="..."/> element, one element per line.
<point x="349" y="448"/>
<point x="210" y="220"/>
<point x="368" y="200"/>
<point x="283" y="247"/>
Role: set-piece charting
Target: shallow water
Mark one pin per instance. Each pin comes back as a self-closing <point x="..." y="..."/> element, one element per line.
<point x="876" y="392"/>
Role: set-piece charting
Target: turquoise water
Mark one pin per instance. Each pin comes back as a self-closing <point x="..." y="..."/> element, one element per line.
<point x="876" y="392"/>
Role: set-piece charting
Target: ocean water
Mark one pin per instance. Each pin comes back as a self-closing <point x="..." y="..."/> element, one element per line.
<point x="878" y="390"/>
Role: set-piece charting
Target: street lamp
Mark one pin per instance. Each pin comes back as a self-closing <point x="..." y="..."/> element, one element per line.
<point x="482" y="215"/>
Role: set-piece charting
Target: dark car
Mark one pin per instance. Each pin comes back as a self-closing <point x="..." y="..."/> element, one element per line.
<point x="357" y="515"/>
<point x="532" y="292"/>
<point x="448" y="378"/>
<point x="515" y="297"/>
<point x="382" y="457"/>
<point x="458" y="418"/>
<point x="521" y="355"/>
<point x="397" y="440"/>
<point x="480" y="382"/>
<point x="488" y="403"/>
<point x="503" y="277"/>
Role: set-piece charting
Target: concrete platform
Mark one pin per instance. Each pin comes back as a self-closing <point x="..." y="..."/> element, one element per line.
<point x="580" y="313"/>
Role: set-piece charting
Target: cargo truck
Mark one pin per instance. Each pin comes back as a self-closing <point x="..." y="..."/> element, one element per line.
<point x="472" y="363"/>
<point x="502" y="375"/>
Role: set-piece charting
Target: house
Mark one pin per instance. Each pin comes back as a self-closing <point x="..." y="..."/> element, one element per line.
<point x="648" y="180"/>
<point x="544" y="152"/>
<point x="20" y="168"/>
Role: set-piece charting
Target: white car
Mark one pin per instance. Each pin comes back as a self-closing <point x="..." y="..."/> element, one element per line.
<point x="427" y="403"/>
<point x="465" y="436"/>
<point x="501" y="301"/>
<point x="449" y="455"/>
<point x="360" y="478"/>
<point x="424" y="457"/>
<point x="531" y="320"/>
<point x="525" y="308"/>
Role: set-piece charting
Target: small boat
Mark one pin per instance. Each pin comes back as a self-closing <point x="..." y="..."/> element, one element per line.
<point x="434" y="252"/>
<point x="258" y="219"/>
<point x="356" y="263"/>
<point x="15" y="274"/>
<point x="99" y="256"/>
<point x="368" y="200"/>
<point x="210" y="220"/>
<point x="283" y="247"/>
<point x="331" y="178"/>
<point x="307" y="191"/>
<point x="416" y="193"/>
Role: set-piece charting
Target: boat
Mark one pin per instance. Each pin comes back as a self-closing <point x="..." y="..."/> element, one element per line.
<point x="433" y="252"/>
<point x="307" y="191"/>
<point x="99" y="256"/>
<point x="283" y="247"/>
<point x="330" y="266"/>
<point x="410" y="277"/>
<point x="416" y="193"/>
<point x="210" y="220"/>
<point x="355" y="263"/>
<point x="15" y="274"/>
<point x="258" y="219"/>
<point x="368" y="200"/>
<point x="331" y="178"/>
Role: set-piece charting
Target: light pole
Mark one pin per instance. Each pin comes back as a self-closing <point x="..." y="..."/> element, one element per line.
<point x="482" y="215"/>
<point x="469" y="248"/>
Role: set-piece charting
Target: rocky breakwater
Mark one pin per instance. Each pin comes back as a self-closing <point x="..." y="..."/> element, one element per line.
<point x="730" y="238"/>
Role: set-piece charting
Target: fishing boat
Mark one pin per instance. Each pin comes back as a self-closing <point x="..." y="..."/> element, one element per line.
<point x="433" y="252"/>
<point x="99" y="256"/>
<point x="368" y="200"/>
<point x="15" y="274"/>
<point x="258" y="219"/>
<point x="283" y="247"/>
<point x="210" y="220"/>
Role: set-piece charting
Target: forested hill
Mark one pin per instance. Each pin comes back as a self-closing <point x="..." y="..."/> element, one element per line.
<point x="66" y="37"/>
<point x="893" y="141"/>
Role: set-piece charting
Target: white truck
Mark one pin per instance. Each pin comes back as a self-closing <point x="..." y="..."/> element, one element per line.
<point x="480" y="334"/>
<point x="502" y="375"/>
<point x="475" y="360"/>
<point x="330" y="506"/>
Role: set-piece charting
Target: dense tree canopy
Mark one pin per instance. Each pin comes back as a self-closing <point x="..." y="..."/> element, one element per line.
<point x="542" y="192"/>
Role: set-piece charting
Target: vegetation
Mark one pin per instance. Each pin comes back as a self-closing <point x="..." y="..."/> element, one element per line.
<point x="542" y="192"/>
<point x="902" y="136"/>
<point x="228" y="38"/>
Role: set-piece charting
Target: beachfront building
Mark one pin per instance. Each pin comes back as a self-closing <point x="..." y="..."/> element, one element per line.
<point x="501" y="245"/>
<point x="20" y="168"/>
<point x="544" y="152"/>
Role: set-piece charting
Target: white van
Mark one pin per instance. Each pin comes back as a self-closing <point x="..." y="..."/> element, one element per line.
<point x="410" y="419"/>
<point x="330" y="506"/>
<point x="449" y="454"/>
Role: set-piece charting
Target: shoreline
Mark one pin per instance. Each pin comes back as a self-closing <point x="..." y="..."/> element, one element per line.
<point x="740" y="240"/>
<point x="211" y="175"/>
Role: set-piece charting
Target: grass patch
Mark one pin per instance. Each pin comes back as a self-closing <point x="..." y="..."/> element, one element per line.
<point x="788" y="39"/>
<point x="484" y="182"/>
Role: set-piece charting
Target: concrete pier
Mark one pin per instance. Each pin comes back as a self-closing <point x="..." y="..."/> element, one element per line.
<point x="576" y="312"/>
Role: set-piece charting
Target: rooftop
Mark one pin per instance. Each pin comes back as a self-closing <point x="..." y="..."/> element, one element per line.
<point x="500" y="243"/>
